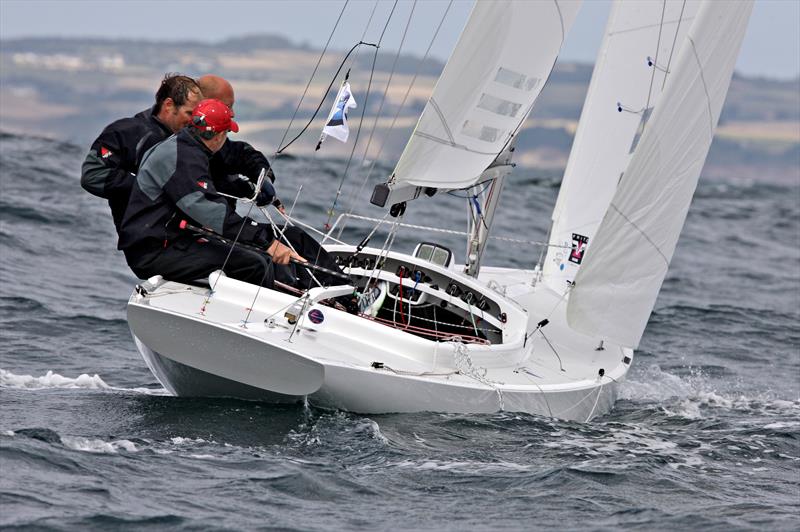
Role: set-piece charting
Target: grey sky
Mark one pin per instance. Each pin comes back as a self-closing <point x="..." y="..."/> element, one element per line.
<point x="771" y="47"/>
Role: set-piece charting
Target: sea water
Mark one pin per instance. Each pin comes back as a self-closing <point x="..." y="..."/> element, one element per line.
<point x="706" y="433"/>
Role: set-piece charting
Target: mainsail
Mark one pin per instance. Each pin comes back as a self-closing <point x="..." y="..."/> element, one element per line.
<point x="487" y="89"/>
<point x="617" y="285"/>
<point x="642" y="40"/>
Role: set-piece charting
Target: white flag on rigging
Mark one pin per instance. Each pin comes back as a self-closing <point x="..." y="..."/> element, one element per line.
<point x="336" y="126"/>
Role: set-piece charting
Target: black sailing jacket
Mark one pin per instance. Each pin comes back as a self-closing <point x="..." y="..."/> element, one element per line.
<point x="174" y="183"/>
<point x="110" y="168"/>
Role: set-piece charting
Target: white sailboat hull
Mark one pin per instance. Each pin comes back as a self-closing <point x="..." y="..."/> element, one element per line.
<point x="358" y="391"/>
<point x="355" y="364"/>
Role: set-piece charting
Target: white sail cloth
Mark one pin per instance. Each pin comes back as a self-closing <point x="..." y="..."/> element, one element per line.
<point x="487" y="89"/>
<point x="642" y="40"/>
<point x="617" y="285"/>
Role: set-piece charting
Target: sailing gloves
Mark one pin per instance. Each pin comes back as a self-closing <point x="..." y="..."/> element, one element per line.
<point x="267" y="193"/>
<point x="266" y="196"/>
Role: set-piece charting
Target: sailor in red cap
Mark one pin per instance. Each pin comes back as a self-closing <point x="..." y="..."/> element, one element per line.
<point x="211" y="117"/>
<point x="112" y="163"/>
<point x="174" y="184"/>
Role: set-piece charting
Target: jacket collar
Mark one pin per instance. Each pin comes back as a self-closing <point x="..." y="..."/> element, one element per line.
<point x="153" y="115"/>
<point x="189" y="134"/>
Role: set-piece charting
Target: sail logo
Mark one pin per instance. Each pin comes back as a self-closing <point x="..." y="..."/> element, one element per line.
<point x="339" y="115"/>
<point x="579" y="243"/>
<point x="105" y="153"/>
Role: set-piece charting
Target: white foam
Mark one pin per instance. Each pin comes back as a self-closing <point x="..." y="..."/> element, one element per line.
<point x="654" y="385"/>
<point x="782" y="425"/>
<point x="371" y="428"/>
<point x="786" y="405"/>
<point x="7" y="433"/>
<point x="633" y="440"/>
<point x="146" y="391"/>
<point x="51" y="380"/>
<point x="458" y="465"/>
<point x="54" y="380"/>
<point x="180" y="440"/>
<point x="686" y="409"/>
<point x="79" y="443"/>
<point x="686" y="396"/>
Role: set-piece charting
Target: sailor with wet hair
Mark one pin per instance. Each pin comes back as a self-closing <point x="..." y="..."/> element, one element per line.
<point x="174" y="184"/>
<point x="110" y="167"/>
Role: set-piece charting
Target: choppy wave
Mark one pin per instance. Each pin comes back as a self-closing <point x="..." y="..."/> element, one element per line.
<point x="706" y="432"/>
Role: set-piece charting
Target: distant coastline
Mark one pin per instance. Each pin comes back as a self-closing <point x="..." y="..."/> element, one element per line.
<point x="69" y="88"/>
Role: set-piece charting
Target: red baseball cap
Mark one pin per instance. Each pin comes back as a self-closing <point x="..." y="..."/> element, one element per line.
<point x="213" y="115"/>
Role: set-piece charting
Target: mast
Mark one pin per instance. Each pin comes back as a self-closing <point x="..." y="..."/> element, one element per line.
<point x="480" y="223"/>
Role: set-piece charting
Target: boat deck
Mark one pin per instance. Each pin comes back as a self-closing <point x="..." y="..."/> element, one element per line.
<point x="555" y="355"/>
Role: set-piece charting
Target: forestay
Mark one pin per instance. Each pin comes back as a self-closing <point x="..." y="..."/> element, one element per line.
<point x="616" y="288"/>
<point x="487" y="89"/>
<point x="642" y="40"/>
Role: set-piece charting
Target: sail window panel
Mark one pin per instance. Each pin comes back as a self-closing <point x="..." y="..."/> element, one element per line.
<point x="532" y="83"/>
<point x="506" y="76"/>
<point x="479" y="131"/>
<point x="517" y="80"/>
<point x="521" y="37"/>
<point x="498" y="106"/>
<point x="491" y="119"/>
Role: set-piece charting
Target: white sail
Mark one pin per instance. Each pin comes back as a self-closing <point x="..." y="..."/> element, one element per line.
<point x="616" y="288"/>
<point x="642" y="40"/>
<point x="487" y="89"/>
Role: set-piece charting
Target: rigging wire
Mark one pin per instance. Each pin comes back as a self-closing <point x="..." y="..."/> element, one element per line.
<point x="455" y="232"/>
<point x="655" y="61"/>
<point x="325" y="95"/>
<point x="361" y="120"/>
<point x="386" y="90"/>
<point x="333" y="79"/>
<point x="305" y="91"/>
<point x="674" y="41"/>
<point x="384" y="252"/>
<point x="389" y="81"/>
<point x="356" y="194"/>
<point x="283" y="237"/>
<point x="245" y="220"/>
<point x="597" y="399"/>
<point x="369" y="20"/>
<point x="486" y="184"/>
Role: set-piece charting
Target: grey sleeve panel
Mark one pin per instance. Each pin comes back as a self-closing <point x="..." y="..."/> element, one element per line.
<point x="208" y="213"/>
<point x="95" y="174"/>
<point x="147" y="140"/>
<point x="158" y="165"/>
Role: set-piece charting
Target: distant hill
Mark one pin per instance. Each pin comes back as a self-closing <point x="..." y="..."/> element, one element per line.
<point x="71" y="88"/>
